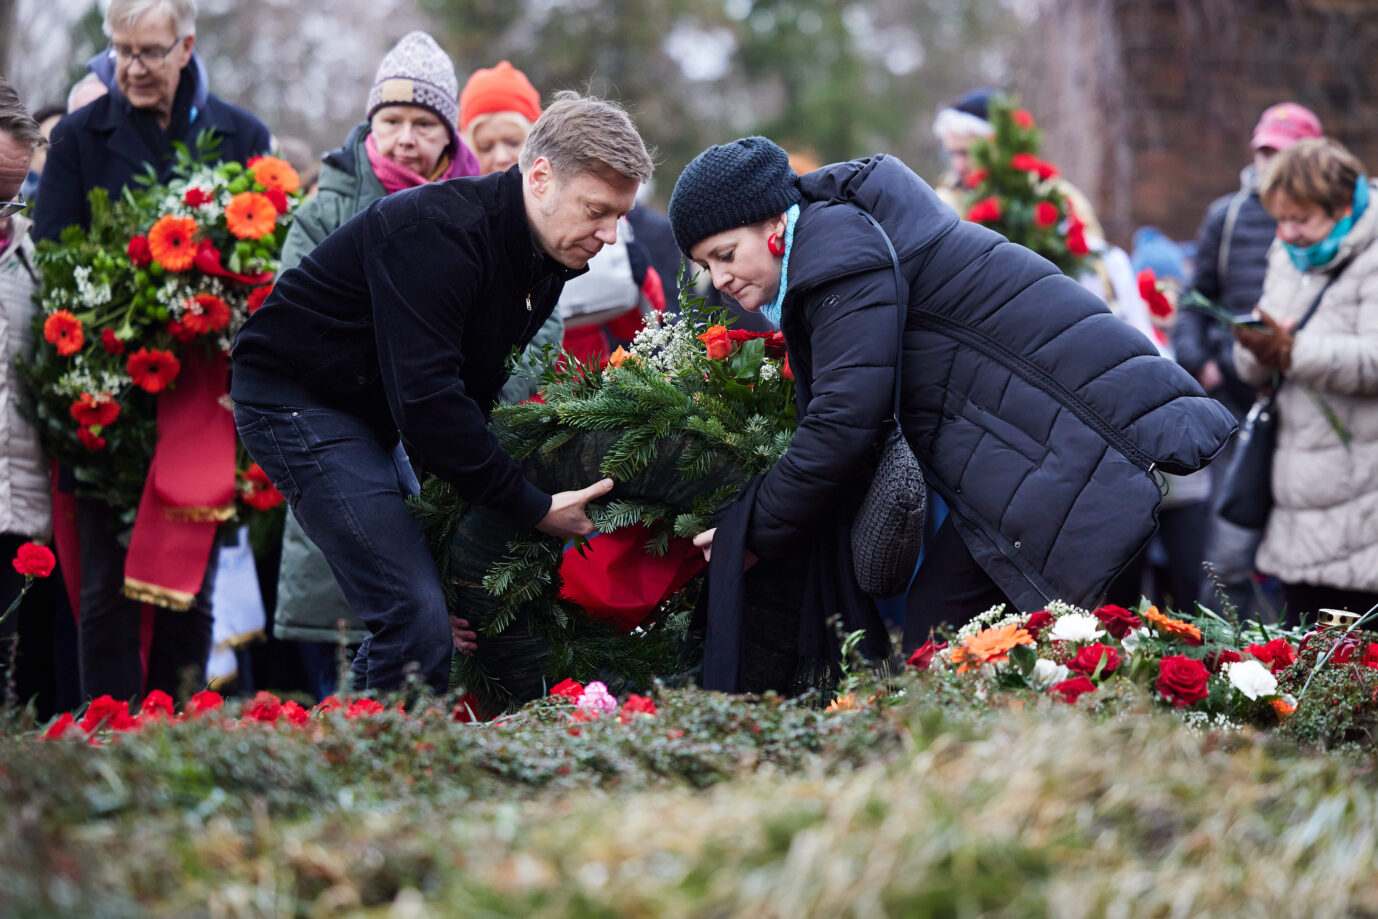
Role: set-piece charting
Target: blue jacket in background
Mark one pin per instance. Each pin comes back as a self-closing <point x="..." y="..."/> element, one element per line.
<point x="99" y="146"/>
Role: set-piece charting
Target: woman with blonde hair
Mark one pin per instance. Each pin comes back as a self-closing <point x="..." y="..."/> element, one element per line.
<point x="1319" y="345"/>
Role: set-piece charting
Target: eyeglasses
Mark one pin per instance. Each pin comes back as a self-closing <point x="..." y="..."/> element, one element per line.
<point x="146" y="56"/>
<point x="10" y="208"/>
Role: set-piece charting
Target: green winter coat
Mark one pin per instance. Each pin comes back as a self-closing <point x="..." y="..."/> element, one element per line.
<point x="309" y="602"/>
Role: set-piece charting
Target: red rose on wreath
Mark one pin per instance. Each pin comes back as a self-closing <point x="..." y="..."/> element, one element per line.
<point x="34" y="561"/>
<point x="987" y="210"/>
<point x="1046" y="215"/>
<point x="1117" y="620"/>
<point x="1089" y="658"/>
<point x="1037" y="622"/>
<point x="1277" y="654"/>
<point x="1073" y="689"/>
<point x="1182" y="680"/>
<point x="139" y="253"/>
<point x="152" y="370"/>
<point x="922" y="658"/>
<point x="1218" y="659"/>
<point x="111" y="342"/>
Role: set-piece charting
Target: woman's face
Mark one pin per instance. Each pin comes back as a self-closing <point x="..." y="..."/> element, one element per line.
<point x="741" y="264"/>
<point x="1302" y="223"/>
<point x="497" y="142"/>
<point x="410" y="136"/>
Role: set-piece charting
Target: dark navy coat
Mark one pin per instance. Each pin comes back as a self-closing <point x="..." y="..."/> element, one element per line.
<point x="1038" y="416"/>
<point x="98" y="146"/>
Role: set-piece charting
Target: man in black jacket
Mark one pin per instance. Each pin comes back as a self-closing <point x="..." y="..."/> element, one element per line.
<point x="403" y="320"/>
<point x="1231" y="260"/>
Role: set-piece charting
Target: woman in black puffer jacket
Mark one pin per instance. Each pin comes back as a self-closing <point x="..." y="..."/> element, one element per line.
<point x="1039" y="418"/>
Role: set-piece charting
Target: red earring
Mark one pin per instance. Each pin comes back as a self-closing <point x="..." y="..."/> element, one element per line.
<point x="775" y="244"/>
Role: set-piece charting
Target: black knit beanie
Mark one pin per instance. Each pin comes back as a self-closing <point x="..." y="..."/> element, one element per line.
<point x="731" y="185"/>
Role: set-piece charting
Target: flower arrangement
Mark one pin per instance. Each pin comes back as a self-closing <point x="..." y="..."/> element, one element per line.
<point x="1021" y="196"/>
<point x="1322" y="685"/>
<point x="680" y="420"/>
<point x="164" y="273"/>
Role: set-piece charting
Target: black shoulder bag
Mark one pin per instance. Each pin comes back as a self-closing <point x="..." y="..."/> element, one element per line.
<point x="887" y="532"/>
<point x="1246" y="494"/>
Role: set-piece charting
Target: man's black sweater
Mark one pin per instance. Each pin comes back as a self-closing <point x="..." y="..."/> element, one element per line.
<point x="405" y="317"/>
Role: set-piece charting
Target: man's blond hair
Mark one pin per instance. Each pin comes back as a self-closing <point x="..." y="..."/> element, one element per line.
<point x="584" y="134"/>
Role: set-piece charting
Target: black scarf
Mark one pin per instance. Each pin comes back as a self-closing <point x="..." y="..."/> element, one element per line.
<point x="156" y="138"/>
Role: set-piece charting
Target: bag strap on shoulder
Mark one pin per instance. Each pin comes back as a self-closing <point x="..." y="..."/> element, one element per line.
<point x="901" y="302"/>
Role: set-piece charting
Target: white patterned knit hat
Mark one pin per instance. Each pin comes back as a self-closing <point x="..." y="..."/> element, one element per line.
<point x="417" y="72"/>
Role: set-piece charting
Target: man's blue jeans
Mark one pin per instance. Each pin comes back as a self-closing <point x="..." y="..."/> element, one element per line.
<point x="348" y="490"/>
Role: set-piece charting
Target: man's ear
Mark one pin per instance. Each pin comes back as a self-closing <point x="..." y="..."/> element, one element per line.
<point x="541" y="178"/>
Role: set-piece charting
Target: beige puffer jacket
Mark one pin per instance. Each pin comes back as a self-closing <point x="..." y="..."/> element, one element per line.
<point x="1324" y="525"/>
<point x="25" y="506"/>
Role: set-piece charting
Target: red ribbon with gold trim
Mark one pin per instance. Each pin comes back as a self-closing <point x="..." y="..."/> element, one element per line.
<point x="190" y="486"/>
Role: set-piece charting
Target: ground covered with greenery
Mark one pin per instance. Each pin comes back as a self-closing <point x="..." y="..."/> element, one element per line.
<point x="928" y="800"/>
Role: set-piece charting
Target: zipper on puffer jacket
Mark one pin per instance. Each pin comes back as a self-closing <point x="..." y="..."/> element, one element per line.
<point x="1038" y="377"/>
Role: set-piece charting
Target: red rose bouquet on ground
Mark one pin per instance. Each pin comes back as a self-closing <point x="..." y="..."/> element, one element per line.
<point x="1022" y="197"/>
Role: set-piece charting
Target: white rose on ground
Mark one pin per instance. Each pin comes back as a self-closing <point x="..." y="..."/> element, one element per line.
<point x="1251" y="678"/>
<point x="1046" y="673"/>
<point x="1076" y="627"/>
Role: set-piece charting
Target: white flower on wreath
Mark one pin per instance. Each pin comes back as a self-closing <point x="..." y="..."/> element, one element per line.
<point x="1251" y="678"/>
<point x="1133" y="639"/>
<point x="1076" y="627"/>
<point x="1046" y="673"/>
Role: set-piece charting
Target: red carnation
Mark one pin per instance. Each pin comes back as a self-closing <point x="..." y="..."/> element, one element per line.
<point x="90" y="439"/>
<point x="361" y="708"/>
<point x="34" y="561"/>
<point x="91" y="410"/>
<point x="974" y="178"/>
<point x="1182" y="680"/>
<point x="1045" y="215"/>
<point x="203" y="703"/>
<point x="107" y="712"/>
<point x="636" y="705"/>
<point x="922" y="658"/>
<point x="1076" y="237"/>
<point x="257" y="296"/>
<point x="279" y="199"/>
<point x="265" y="708"/>
<point x="1277" y="654"/>
<point x="1089" y="657"/>
<point x="195" y="197"/>
<point x="1022" y="118"/>
<point x="328" y="704"/>
<point x="987" y="210"/>
<point x="1117" y="620"/>
<point x="139" y="252"/>
<point x="152" y="370"/>
<point x="59" y="728"/>
<point x="156" y="705"/>
<point x="1371" y="656"/>
<point x="1073" y="689"/>
<point x="567" y="689"/>
<point x="111" y="342"/>
<point x="1157" y="301"/>
<point x="294" y="713"/>
<point x="1037" y="622"/>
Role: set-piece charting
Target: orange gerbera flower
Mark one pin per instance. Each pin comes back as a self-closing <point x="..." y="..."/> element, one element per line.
<point x="172" y="241"/>
<point x="63" y="331"/>
<point x="1173" y="627"/>
<point x="251" y="215"/>
<point x="271" y="172"/>
<point x="205" y="313"/>
<point x="990" y="646"/>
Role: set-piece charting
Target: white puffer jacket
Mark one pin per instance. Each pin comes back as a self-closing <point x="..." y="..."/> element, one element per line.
<point x="1324" y="525"/>
<point x="25" y="505"/>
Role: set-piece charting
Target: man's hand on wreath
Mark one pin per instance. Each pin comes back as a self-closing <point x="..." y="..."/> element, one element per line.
<point x="466" y="640"/>
<point x="566" y="518"/>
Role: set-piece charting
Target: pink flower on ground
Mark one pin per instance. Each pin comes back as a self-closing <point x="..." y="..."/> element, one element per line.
<point x="596" y="700"/>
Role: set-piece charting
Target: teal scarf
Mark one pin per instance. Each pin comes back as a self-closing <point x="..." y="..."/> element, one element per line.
<point x="1323" y="252"/>
<point x="772" y="312"/>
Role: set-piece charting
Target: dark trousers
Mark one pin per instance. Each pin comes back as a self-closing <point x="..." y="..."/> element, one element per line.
<point x="1303" y="601"/>
<point x="949" y="588"/>
<point x="1182" y="534"/>
<point x="111" y="622"/>
<point x="348" y="490"/>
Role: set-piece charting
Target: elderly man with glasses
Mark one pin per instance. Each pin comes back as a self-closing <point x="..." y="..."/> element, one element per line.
<point x="158" y="97"/>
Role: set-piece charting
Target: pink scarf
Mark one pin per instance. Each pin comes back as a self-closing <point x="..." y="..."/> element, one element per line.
<point x="396" y="177"/>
